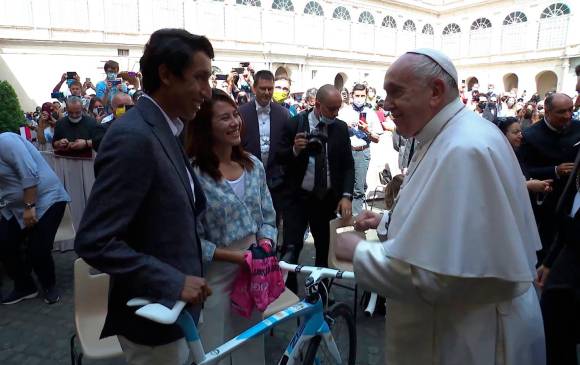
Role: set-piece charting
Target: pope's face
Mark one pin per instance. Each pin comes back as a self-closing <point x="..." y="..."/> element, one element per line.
<point x="408" y="97"/>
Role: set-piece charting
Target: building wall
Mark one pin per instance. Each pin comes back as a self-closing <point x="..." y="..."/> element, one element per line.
<point x="41" y="39"/>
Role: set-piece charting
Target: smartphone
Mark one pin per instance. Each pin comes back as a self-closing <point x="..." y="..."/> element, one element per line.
<point x="57" y="95"/>
<point x="239" y="70"/>
<point x="221" y="77"/>
<point x="71" y="75"/>
<point x="244" y="64"/>
<point x="88" y="79"/>
<point x="132" y="74"/>
<point x="363" y="117"/>
<point x="116" y="82"/>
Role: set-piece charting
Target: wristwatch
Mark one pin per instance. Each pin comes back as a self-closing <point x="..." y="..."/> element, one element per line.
<point x="29" y="205"/>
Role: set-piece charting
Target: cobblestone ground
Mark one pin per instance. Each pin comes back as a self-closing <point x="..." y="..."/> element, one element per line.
<point x="32" y="332"/>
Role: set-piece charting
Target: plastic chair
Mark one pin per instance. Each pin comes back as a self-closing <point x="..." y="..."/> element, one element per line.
<point x="342" y="225"/>
<point x="91" y="292"/>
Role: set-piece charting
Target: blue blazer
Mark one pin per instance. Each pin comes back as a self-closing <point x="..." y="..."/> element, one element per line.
<point x="139" y="225"/>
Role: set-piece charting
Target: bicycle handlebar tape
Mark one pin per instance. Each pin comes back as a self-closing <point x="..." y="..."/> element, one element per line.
<point x="187" y="325"/>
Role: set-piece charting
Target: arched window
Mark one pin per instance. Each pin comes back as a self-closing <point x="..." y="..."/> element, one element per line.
<point x="249" y="2"/>
<point x="285" y="5"/>
<point x="409" y="26"/>
<point x="427" y="29"/>
<point x="555" y="10"/>
<point x="313" y="8"/>
<point x="515" y="18"/>
<point x="366" y="18"/>
<point x="451" y="29"/>
<point x="341" y="13"/>
<point x="389" y="22"/>
<point x="480" y="24"/>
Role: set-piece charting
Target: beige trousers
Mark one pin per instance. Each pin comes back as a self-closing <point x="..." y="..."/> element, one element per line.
<point x="174" y="353"/>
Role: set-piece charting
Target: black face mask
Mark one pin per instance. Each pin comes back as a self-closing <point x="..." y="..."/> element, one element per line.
<point x="481" y="105"/>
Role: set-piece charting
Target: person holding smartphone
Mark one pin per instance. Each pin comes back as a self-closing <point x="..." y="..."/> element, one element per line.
<point x="364" y="127"/>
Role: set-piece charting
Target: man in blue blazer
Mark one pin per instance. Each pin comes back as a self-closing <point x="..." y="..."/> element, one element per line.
<point x="139" y="225"/>
<point x="263" y="124"/>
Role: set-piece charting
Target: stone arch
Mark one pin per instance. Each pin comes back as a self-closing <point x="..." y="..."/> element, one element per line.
<point x="510" y="81"/>
<point x="282" y="71"/>
<point x="546" y="81"/>
<point x="340" y="80"/>
<point x="470" y="81"/>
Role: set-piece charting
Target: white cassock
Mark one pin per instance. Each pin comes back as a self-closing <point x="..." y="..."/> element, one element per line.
<point x="457" y="265"/>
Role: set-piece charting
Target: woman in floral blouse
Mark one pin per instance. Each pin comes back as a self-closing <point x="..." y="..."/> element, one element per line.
<point x="239" y="212"/>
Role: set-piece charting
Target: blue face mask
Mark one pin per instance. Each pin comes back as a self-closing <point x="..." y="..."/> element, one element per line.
<point x="327" y="120"/>
<point x="69" y="82"/>
<point x="111" y="76"/>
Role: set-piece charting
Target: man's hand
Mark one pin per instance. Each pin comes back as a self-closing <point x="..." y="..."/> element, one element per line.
<point x="346" y="246"/>
<point x="367" y="220"/>
<point x="62" y="144"/>
<point x="79" y="144"/>
<point x="195" y="290"/>
<point x="363" y="126"/>
<point x="564" y="169"/>
<point x="542" y="276"/>
<point x="30" y="217"/>
<point x="345" y="207"/>
<point x="539" y="186"/>
<point x="300" y="142"/>
<point x="63" y="77"/>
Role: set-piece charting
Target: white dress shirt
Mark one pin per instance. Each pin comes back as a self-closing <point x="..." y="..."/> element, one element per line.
<point x="264" y="126"/>
<point x="176" y="126"/>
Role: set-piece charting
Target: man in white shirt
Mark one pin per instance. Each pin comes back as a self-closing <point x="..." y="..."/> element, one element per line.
<point x="458" y="258"/>
<point x="364" y="127"/>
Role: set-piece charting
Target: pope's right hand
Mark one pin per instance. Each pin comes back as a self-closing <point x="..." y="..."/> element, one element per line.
<point x="367" y="220"/>
<point x="543" y="273"/>
<point x="195" y="290"/>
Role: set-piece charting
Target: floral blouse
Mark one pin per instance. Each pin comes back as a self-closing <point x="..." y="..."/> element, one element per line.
<point x="227" y="218"/>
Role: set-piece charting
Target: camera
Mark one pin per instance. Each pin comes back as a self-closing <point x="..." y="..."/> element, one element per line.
<point x="316" y="141"/>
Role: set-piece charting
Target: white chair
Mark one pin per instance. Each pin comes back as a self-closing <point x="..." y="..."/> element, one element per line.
<point x="91" y="292"/>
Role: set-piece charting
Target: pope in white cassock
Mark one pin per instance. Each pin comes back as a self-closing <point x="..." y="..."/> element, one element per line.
<point x="457" y="259"/>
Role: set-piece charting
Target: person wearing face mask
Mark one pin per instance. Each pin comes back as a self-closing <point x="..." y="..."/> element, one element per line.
<point x="364" y="127"/>
<point x="105" y="88"/>
<point x="509" y="109"/>
<point x="239" y="212"/>
<point x="281" y="93"/>
<point x="263" y="123"/>
<point x="73" y="133"/>
<point x="319" y="176"/>
<point x="120" y="104"/>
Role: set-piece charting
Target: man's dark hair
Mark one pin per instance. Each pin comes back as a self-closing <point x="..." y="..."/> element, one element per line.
<point x="263" y="75"/>
<point x="75" y="83"/>
<point x="359" y="87"/>
<point x="175" y="49"/>
<point x="577" y="69"/>
<point x="111" y="64"/>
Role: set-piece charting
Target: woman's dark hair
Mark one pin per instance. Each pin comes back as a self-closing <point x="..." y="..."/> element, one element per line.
<point x="175" y="49"/>
<point x="505" y="123"/>
<point x="92" y="104"/>
<point x="200" y="141"/>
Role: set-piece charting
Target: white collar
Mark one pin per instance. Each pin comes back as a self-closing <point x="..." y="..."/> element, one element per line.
<point x="434" y="126"/>
<point x="176" y="125"/>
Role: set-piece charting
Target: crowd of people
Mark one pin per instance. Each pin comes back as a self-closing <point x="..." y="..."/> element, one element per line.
<point x="191" y="174"/>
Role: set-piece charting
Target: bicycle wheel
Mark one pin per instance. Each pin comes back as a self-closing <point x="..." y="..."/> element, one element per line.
<point x="341" y="322"/>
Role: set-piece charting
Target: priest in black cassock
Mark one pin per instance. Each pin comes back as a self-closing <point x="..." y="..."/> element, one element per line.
<point x="548" y="151"/>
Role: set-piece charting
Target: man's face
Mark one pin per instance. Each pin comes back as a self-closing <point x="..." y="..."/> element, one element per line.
<point x="345" y="96"/>
<point x="74" y="110"/>
<point x="407" y="98"/>
<point x="560" y="114"/>
<point x="120" y="105"/>
<point x="331" y="105"/>
<point x="264" y="90"/>
<point x="359" y="97"/>
<point x="282" y="85"/>
<point x="310" y="102"/>
<point x="189" y="90"/>
<point x="75" y="90"/>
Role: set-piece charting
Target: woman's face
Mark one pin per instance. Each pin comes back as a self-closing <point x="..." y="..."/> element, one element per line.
<point x="511" y="102"/>
<point x="226" y="124"/>
<point x="514" y="135"/>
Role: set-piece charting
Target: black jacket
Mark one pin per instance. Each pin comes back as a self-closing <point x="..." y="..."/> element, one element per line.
<point x="139" y="225"/>
<point x="340" y="161"/>
<point x="251" y="138"/>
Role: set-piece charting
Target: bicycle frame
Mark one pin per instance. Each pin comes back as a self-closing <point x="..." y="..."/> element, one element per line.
<point x="314" y="325"/>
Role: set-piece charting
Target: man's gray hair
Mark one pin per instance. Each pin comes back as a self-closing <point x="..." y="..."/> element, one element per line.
<point x="429" y="70"/>
<point x="73" y="100"/>
<point x="310" y="93"/>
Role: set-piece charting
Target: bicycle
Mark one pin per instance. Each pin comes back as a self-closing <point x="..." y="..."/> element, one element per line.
<point x="313" y="342"/>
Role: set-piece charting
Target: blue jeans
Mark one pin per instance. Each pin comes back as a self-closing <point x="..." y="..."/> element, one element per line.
<point x="361" y="166"/>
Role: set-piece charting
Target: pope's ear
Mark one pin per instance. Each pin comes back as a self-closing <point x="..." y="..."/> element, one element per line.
<point x="438" y="90"/>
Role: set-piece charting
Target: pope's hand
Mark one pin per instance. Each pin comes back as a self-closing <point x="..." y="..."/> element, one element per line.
<point x="542" y="276"/>
<point x="367" y="220"/>
<point x="346" y="246"/>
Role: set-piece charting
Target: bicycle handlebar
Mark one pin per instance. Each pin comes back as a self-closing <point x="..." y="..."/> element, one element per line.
<point x="320" y="272"/>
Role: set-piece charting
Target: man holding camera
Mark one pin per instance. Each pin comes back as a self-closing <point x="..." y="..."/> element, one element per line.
<point x="363" y="128"/>
<point x="73" y="134"/>
<point x="318" y="184"/>
<point x="111" y="85"/>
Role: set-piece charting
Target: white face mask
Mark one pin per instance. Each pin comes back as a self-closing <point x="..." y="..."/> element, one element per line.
<point x="358" y="102"/>
<point x="75" y="120"/>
